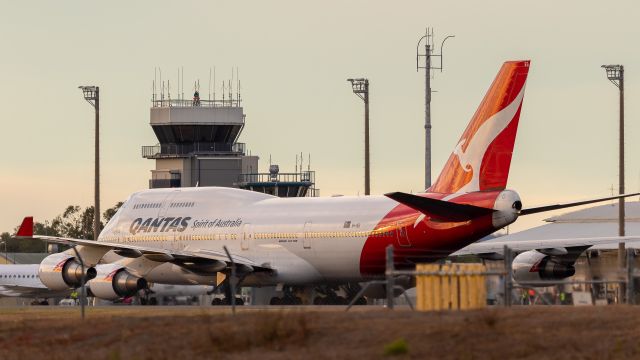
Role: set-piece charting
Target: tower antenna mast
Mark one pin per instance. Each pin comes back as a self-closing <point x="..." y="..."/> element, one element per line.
<point x="428" y="66"/>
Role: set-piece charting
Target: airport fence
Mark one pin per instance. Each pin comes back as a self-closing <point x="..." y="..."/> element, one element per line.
<point x="450" y="286"/>
<point x="464" y="286"/>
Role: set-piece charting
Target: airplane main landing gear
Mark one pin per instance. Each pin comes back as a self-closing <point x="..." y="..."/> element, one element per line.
<point x="225" y="301"/>
<point x="226" y="290"/>
<point x="330" y="300"/>
<point x="40" y="302"/>
<point x="288" y="298"/>
<point x="331" y="296"/>
<point x="352" y="290"/>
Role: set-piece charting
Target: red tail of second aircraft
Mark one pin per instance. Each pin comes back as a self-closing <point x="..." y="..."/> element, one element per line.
<point x="482" y="157"/>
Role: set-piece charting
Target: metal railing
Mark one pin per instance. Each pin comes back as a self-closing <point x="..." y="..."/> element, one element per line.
<point x="178" y="150"/>
<point x="164" y="183"/>
<point x="189" y="103"/>
<point x="312" y="192"/>
<point x="304" y="176"/>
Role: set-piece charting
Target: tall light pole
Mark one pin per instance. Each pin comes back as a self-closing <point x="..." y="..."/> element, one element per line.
<point x="427" y="55"/>
<point x="615" y="73"/>
<point x="92" y="95"/>
<point x="360" y="87"/>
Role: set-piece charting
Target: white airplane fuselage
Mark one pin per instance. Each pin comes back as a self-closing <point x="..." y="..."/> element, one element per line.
<point x="23" y="281"/>
<point x="305" y="240"/>
<point x="20" y="274"/>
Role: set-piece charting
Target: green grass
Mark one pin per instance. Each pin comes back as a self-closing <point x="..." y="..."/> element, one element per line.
<point x="398" y="347"/>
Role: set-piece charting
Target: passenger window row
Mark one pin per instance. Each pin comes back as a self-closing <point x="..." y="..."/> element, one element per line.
<point x="325" y="234"/>
<point x="308" y="235"/>
<point x="14" y="276"/>
<point x="148" y="206"/>
<point x="182" y="204"/>
<point x="149" y="238"/>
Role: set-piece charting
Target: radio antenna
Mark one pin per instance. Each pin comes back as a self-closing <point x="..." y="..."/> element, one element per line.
<point x="238" y="79"/>
<point x="153" y="86"/>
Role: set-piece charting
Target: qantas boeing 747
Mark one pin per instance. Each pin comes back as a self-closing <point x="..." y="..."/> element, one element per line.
<point x="177" y="235"/>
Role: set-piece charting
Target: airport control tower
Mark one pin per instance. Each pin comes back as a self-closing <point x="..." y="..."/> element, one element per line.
<point x="198" y="143"/>
<point x="198" y="146"/>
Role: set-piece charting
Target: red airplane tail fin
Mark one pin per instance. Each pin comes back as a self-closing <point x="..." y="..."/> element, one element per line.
<point x="26" y="228"/>
<point x="482" y="157"/>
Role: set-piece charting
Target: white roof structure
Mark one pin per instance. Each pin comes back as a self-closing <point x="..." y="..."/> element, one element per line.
<point x="598" y="221"/>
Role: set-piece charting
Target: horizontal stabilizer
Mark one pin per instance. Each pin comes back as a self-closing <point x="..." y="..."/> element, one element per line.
<point x="440" y="209"/>
<point x="572" y="204"/>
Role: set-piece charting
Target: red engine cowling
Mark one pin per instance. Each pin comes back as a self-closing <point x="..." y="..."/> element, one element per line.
<point x="62" y="271"/>
<point x="532" y="266"/>
<point x="113" y="281"/>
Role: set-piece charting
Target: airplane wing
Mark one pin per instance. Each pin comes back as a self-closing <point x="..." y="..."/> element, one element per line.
<point x="15" y="290"/>
<point x="496" y="246"/>
<point x="196" y="259"/>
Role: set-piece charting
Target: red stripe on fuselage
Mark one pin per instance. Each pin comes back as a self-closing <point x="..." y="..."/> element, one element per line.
<point x="429" y="240"/>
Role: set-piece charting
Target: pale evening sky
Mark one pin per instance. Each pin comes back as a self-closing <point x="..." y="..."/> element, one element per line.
<point x="294" y="58"/>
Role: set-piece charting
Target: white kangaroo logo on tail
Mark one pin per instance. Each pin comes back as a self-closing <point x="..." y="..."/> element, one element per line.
<point x="471" y="159"/>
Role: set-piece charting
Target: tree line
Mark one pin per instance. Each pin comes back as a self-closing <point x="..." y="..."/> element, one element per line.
<point x="74" y="222"/>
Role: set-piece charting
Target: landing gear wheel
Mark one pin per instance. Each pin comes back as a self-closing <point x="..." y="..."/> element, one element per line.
<point x="275" y="301"/>
<point x="239" y="301"/>
<point x="216" y="302"/>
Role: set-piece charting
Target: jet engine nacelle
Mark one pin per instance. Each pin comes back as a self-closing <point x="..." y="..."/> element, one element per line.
<point x="62" y="271"/>
<point x="533" y="266"/>
<point x="113" y="281"/>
